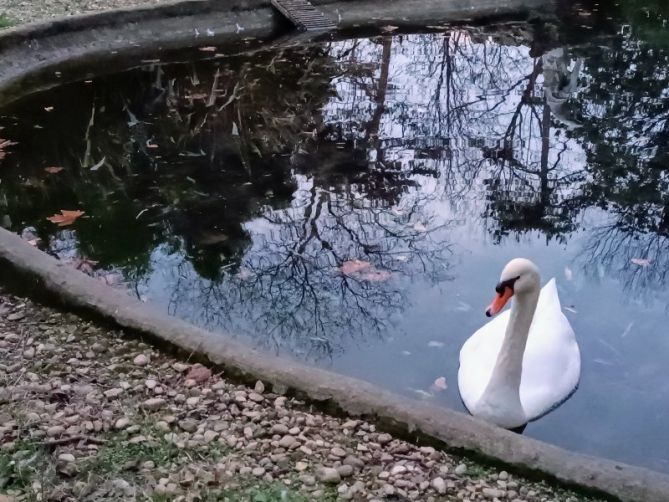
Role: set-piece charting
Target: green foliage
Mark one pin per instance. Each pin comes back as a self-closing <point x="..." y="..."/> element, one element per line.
<point x="5" y="22"/>
<point x="26" y="461"/>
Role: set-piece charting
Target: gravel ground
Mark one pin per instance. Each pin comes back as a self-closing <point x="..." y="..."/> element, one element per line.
<point x="25" y="11"/>
<point x="88" y="414"/>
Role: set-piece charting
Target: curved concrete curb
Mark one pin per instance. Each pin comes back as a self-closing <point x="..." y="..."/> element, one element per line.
<point x="33" y="271"/>
<point x="32" y="54"/>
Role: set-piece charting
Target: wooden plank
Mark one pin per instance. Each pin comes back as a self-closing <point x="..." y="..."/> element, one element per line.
<point x="303" y="15"/>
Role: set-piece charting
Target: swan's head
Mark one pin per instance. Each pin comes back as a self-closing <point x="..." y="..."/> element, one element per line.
<point x="520" y="276"/>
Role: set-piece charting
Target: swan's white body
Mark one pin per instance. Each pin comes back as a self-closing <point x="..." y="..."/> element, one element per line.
<point x="547" y="368"/>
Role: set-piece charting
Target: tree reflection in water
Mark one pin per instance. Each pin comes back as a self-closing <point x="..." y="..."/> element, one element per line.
<point x="242" y="185"/>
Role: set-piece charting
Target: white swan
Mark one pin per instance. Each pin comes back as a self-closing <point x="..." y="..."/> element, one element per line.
<point x="525" y="362"/>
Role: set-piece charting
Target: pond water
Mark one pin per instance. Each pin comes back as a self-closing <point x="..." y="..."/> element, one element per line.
<point x="351" y="203"/>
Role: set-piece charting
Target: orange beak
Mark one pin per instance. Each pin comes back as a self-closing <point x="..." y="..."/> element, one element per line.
<point x="499" y="302"/>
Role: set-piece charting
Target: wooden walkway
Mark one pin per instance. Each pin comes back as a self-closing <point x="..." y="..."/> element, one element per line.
<point x="304" y="15"/>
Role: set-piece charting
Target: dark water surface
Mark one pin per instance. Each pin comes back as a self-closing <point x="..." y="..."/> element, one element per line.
<point x="352" y="203"/>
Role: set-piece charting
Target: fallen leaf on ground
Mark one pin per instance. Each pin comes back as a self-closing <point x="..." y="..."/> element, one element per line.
<point x="439" y="384"/>
<point x="642" y="262"/>
<point x="53" y="169"/>
<point x="65" y="217"/>
<point x="199" y="373"/>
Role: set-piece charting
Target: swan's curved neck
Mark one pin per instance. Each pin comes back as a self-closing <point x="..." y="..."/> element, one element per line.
<point x="504" y="384"/>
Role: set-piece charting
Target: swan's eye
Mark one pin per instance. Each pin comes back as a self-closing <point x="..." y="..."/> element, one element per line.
<point x="506" y="284"/>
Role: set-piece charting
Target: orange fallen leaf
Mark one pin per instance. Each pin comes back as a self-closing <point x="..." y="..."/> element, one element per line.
<point x="65" y="217"/>
<point x="53" y="169"/>
<point x="642" y="262"/>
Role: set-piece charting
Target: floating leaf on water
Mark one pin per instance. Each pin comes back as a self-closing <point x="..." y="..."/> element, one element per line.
<point x="439" y="385"/>
<point x="642" y="262"/>
<point x="99" y="164"/>
<point x="422" y="393"/>
<point x="244" y="274"/>
<point x="84" y="265"/>
<point x="568" y="274"/>
<point x="375" y="275"/>
<point x="628" y="329"/>
<point x="208" y="239"/>
<point x="353" y="266"/>
<point x="3" y="144"/>
<point x="463" y="307"/>
<point x="65" y="217"/>
<point x="435" y="344"/>
<point x="364" y="270"/>
<point x="53" y="169"/>
<point x="141" y="213"/>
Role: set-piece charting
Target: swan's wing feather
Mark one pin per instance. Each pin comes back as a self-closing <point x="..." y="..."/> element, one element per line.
<point x="552" y="361"/>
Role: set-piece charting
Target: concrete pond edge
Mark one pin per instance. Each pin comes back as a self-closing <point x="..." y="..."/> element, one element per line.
<point x="28" y="270"/>
<point x="41" y="47"/>
<point x="45" y="54"/>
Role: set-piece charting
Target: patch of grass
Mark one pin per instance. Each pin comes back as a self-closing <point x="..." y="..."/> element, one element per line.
<point x="116" y="455"/>
<point x="22" y="464"/>
<point x="5" y="22"/>
<point x="475" y="470"/>
<point x="259" y="491"/>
